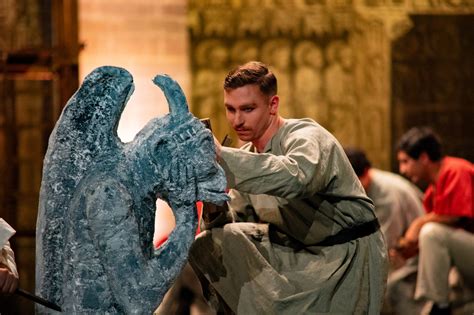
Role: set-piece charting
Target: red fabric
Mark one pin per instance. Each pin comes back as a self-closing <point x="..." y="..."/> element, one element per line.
<point x="453" y="193"/>
<point x="199" y="211"/>
<point x="160" y="242"/>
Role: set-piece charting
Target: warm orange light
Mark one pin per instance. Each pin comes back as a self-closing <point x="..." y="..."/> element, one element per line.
<point x="142" y="37"/>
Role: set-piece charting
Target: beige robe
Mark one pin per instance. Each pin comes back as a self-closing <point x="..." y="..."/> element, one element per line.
<point x="303" y="186"/>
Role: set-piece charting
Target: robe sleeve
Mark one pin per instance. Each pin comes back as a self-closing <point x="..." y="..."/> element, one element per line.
<point x="238" y="209"/>
<point x="306" y="165"/>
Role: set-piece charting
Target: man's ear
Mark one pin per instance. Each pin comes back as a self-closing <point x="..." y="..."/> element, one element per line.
<point x="274" y="103"/>
<point x="366" y="172"/>
<point x="424" y="157"/>
<point x="365" y="179"/>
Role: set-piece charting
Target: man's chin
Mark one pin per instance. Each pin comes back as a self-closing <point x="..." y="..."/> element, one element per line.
<point x="244" y="137"/>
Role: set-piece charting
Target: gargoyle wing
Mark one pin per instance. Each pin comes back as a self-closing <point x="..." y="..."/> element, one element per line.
<point x="87" y="128"/>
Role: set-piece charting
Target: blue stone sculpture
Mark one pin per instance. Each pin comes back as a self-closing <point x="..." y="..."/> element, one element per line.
<point x="96" y="215"/>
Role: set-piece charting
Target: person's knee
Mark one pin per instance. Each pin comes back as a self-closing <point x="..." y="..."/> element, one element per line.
<point x="433" y="233"/>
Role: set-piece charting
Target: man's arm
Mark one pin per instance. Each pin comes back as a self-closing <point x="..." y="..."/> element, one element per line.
<point x="413" y="231"/>
<point x="408" y="245"/>
<point x="306" y="164"/>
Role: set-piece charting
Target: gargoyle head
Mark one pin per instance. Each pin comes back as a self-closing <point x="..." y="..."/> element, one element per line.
<point x="183" y="147"/>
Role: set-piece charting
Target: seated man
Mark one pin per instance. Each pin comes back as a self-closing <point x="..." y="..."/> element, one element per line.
<point x="397" y="203"/>
<point x="444" y="235"/>
<point x="301" y="234"/>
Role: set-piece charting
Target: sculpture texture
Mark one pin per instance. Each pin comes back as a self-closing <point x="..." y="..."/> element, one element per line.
<point x="97" y="202"/>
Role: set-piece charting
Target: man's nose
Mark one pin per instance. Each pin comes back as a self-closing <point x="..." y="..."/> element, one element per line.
<point x="238" y="119"/>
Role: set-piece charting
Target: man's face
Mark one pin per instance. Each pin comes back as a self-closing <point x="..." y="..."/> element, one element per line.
<point x="411" y="168"/>
<point x="249" y="111"/>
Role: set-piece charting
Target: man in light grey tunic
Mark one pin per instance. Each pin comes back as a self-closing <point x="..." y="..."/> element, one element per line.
<point x="303" y="237"/>
<point x="397" y="201"/>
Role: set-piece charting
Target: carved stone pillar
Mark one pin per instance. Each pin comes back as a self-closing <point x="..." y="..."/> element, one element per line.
<point x="330" y="61"/>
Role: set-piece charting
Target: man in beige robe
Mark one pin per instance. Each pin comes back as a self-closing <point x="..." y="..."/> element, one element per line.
<point x="299" y="235"/>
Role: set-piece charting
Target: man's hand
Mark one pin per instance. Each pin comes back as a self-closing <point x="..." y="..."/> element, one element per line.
<point x="210" y="211"/>
<point x="8" y="281"/>
<point x="396" y="259"/>
<point x="405" y="248"/>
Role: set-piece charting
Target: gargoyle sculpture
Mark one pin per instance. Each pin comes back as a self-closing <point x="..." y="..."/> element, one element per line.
<point x="95" y="223"/>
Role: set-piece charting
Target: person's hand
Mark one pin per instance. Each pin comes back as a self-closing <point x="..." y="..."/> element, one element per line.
<point x="396" y="259"/>
<point x="8" y="281"/>
<point x="407" y="248"/>
<point x="211" y="211"/>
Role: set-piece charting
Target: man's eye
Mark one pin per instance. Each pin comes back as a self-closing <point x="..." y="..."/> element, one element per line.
<point x="248" y="110"/>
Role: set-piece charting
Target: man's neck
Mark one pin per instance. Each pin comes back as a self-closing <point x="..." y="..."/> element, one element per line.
<point x="433" y="171"/>
<point x="261" y="142"/>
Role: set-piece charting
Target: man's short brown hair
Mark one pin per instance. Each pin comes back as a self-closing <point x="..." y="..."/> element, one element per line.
<point x="253" y="72"/>
<point x="421" y="139"/>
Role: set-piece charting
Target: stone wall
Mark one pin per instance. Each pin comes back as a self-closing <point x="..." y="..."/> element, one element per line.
<point x="332" y="59"/>
<point x="38" y="73"/>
